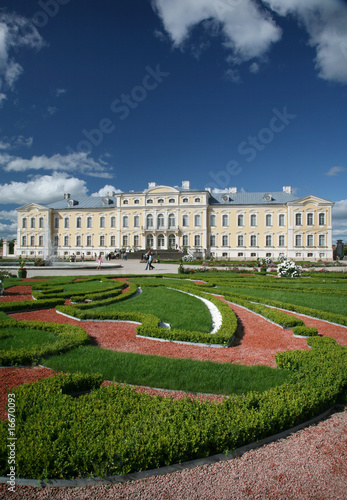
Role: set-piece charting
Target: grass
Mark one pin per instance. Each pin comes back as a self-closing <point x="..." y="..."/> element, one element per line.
<point x="178" y="309"/>
<point x="18" y="338"/>
<point x="169" y="373"/>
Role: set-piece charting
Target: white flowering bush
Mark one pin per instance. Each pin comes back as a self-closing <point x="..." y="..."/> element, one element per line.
<point x="288" y="269"/>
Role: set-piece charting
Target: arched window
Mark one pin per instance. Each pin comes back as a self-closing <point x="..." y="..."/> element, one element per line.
<point x="149" y="241"/>
<point x="172" y="220"/>
<point x="160" y="221"/>
<point x="172" y="241"/>
<point x="161" y="241"/>
<point x="240" y="220"/>
<point x="79" y="222"/>
<point x="149" y="221"/>
<point x="197" y="240"/>
<point x="185" y="240"/>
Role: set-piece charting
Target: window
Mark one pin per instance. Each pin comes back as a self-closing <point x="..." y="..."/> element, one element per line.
<point x="41" y="222"/>
<point x="102" y="241"/>
<point x="298" y="219"/>
<point x="149" y="241"/>
<point x="172" y="221"/>
<point x="240" y="220"/>
<point x="102" y="221"/>
<point x="310" y="254"/>
<point x="160" y="221"/>
<point x="66" y="241"/>
<point x="253" y="240"/>
<point x="149" y="221"/>
<point x="225" y="240"/>
<point x="56" y="223"/>
<point x="253" y="220"/>
<point x="212" y="240"/>
<point x="268" y="240"/>
<point x="56" y="240"/>
<point x="281" y="240"/>
<point x="89" y="241"/>
<point x="281" y="220"/>
<point x="136" y="241"/>
<point x="32" y="222"/>
<point x="78" y="241"/>
<point x="322" y="219"/>
<point x="172" y="241"/>
<point x="160" y="200"/>
<point x="298" y="240"/>
<point x="161" y="241"/>
<point x="310" y="240"/>
<point x="197" y="240"/>
<point x="253" y="254"/>
<point x="125" y="221"/>
<point x="149" y="201"/>
<point x="136" y="221"/>
<point x="125" y="240"/>
<point x="66" y="223"/>
<point x="298" y="254"/>
<point x="212" y="220"/>
<point x="40" y="241"/>
<point x="113" y="221"/>
<point x="268" y="220"/>
<point x="24" y="241"/>
<point x="240" y="240"/>
<point x="197" y="200"/>
<point x="125" y="202"/>
<point x="185" y="240"/>
<point x="79" y="222"/>
<point x="136" y="202"/>
<point x="268" y="254"/>
<point x="225" y="220"/>
<point x="321" y="255"/>
<point x="24" y="223"/>
<point x="322" y="240"/>
<point x="113" y="241"/>
<point x="310" y="219"/>
<point x="185" y="220"/>
<point x="240" y="254"/>
<point x="89" y="222"/>
<point x="185" y="200"/>
<point x="171" y="200"/>
<point x="197" y="220"/>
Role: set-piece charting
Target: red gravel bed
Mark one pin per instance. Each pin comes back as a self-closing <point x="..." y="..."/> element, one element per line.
<point x="16" y="294"/>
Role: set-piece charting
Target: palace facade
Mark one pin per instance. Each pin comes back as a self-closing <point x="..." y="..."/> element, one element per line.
<point x="232" y="224"/>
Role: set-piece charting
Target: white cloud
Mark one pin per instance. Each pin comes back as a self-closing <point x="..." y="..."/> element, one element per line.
<point x="105" y="190"/>
<point x="8" y="224"/>
<point x="74" y="162"/>
<point x="247" y="31"/>
<point x="7" y="143"/>
<point x="326" y="24"/>
<point x="16" y="32"/>
<point x="59" y="92"/>
<point x="42" y="189"/>
<point x="52" y="110"/>
<point x="335" y="170"/>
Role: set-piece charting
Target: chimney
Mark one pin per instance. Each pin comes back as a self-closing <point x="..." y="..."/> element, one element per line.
<point x="151" y="185"/>
<point x="287" y="189"/>
<point x="185" y="184"/>
<point x="233" y="190"/>
<point x="67" y="196"/>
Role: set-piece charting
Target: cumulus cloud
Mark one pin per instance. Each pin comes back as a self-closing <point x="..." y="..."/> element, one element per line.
<point x="8" y="224"/>
<point x="7" y="143"/>
<point x="247" y="31"/>
<point x="42" y="189"/>
<point x="105" y="190"/>
<point x="335" y="171"/>
<point x="326" y="25"/>
<point x="16" y="32"/>
<point x="74" y="162"/>
<point x="248" y="28"/>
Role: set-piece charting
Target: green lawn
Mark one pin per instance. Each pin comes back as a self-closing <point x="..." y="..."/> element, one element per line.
<point x="18" y="338"/>
<point x="178" y="309"/>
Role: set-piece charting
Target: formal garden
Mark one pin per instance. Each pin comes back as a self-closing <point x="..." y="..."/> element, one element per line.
<point x="224" y="358"/>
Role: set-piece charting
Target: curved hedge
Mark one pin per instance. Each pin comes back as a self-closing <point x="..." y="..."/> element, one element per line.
<point x="115" y="430"/>
<point x="68" y="337"/>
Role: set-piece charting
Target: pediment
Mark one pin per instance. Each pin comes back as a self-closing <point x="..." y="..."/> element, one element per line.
<point x="311" y="200"/>
<point x="162" y="190"/>
<point x="32" y="206"/>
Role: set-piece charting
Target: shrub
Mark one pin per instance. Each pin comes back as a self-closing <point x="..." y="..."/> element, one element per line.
<point x="305" y="331"/>
<point x="288" y="268"/>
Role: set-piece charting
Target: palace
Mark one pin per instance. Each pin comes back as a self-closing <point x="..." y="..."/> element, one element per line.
<point x="231" y="225"/>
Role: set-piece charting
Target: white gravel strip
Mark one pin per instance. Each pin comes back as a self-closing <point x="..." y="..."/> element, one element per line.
<point x="214" y="311"/>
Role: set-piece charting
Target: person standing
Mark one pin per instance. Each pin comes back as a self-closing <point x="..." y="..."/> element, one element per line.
<point x="99" y="261"/>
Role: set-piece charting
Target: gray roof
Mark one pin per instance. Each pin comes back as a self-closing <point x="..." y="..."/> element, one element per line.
<point x="84" y="202"/>
<point x="252" y="198"/>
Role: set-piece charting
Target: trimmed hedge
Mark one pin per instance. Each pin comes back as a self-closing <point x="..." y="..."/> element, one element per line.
<point x="115" y="430"/>
<point x="305" y="331"/>
<point x="30" y="305"/>
<point x="68" y="337"/>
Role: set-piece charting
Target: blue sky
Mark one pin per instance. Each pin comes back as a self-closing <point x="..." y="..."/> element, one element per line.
<point x="111" y="94"/>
